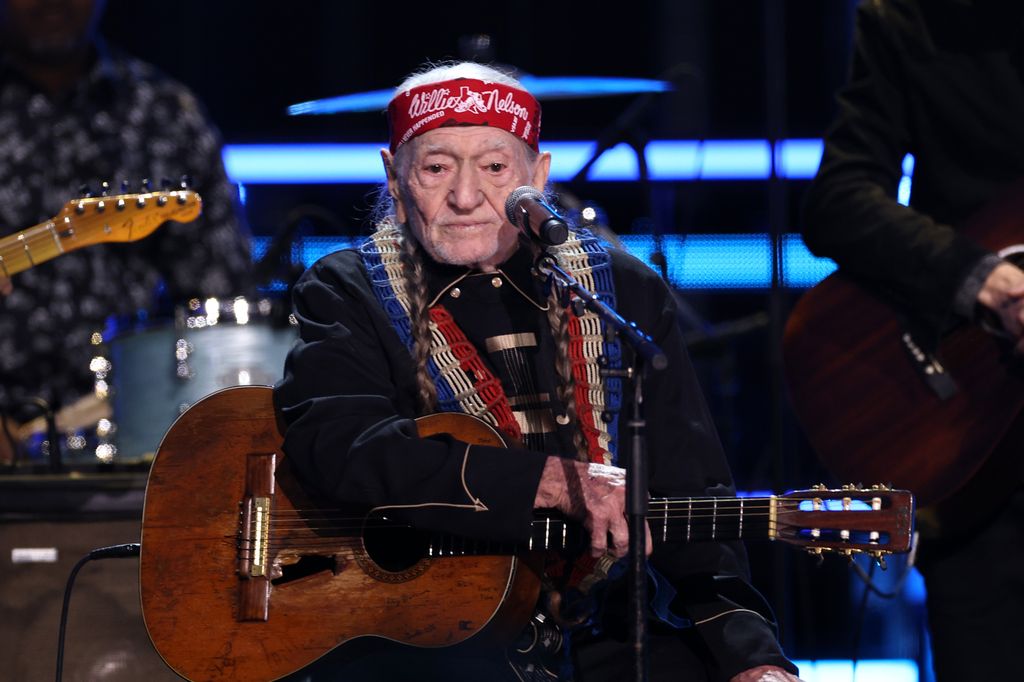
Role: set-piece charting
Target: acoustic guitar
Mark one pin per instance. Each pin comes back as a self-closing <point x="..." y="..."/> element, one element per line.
<point x="244" y="576"/>
<point x="94" y="220"/>
<point x="877" y="405"/>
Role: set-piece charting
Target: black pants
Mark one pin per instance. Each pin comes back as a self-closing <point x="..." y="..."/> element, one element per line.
<point x="976" y="599"/>
<point x="596" y="660"/>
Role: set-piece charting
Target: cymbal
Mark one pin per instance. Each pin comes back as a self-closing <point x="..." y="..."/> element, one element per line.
<point x="542" y="87"/>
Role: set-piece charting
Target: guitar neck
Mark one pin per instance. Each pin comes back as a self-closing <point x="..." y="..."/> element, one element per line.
<point x="678" y="520"/>
<point x="685" y="519"/>
<point x="31" y="247"/>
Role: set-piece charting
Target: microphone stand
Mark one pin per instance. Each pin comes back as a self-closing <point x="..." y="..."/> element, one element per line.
<point x="648" y="354"/>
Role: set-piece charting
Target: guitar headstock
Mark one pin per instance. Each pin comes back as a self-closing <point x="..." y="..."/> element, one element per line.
<point x="124" y="217"/>
<point x="849" y="520"/>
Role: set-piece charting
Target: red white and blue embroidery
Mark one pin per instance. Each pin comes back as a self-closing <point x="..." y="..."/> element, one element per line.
<point x="464" y="384"/>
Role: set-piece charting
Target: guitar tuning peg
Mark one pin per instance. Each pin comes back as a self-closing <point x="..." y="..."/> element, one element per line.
<point x="145" y="185"/>
<point x="186" y="181"/>
<point x="124" y="187"/>
<point x="879" y="557"/>
<point x="104" y="188"/>
<point x="818" y="553"/>
<point x="85" y="191"/>
<point x="819" y="486"/>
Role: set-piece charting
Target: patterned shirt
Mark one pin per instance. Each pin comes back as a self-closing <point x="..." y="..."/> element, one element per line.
<point x="123" y="121"/>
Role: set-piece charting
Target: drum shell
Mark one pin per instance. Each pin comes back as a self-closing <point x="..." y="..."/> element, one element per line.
<point x="157" y="374"/>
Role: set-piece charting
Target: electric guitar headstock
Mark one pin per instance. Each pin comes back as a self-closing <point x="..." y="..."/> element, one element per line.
<point x="93" y="220"/>
<point x="125" y="217"/>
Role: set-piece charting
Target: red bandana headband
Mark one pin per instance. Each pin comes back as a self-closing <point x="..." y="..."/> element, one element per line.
<point x="463" y="101"/>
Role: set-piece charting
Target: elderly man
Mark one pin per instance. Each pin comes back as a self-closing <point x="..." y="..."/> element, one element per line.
<point x="439" y="311"/>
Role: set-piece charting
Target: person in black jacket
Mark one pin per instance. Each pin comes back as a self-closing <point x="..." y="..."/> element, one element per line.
<point x="943" y="81"/>
<point x="439" y="311"/>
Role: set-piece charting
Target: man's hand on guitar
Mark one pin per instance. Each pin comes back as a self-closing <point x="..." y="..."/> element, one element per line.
<point x="765" y="673"/>
<point x="1003" y="294"/>
<point x="594" y="494"/>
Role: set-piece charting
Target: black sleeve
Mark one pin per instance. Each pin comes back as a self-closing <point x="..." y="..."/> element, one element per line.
<point x="348" y="398"/>
<point x="851" y="212"/>
<point x="686" y="459"/>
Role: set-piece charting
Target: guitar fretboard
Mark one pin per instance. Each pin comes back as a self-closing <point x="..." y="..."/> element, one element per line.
<point x="677" y="520"/>
<point x="30" y="247"/>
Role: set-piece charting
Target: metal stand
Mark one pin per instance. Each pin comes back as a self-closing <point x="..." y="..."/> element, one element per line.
<point x="648" y="354"/>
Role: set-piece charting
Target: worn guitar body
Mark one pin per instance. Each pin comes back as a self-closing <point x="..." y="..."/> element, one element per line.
<point x="208" y="624"/>
<point x="245" y="577"/>
<point x="869" y="413"/>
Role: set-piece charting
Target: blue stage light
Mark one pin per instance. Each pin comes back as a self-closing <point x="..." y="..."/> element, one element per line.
<point x="798" y="159"/>
<point x="286" y="164"/>
<point x="668" y="160"/>
<point x="903" y="191"/>
<point x="873" y="670"/>
<point x="698" y="261"/>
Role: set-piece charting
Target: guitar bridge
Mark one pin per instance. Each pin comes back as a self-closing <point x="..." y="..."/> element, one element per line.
<point x="255" y="534"/>
<point x="930" y="369"/>
<point x="254" y="538"/>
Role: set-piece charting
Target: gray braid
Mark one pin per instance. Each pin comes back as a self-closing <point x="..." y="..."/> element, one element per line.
<point x="419" y="317"/>
<point x="558" y="319"/>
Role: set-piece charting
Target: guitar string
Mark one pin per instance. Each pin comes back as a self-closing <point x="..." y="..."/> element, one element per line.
<point x="304" y="540"/>
<point x="449" y="543"/>
<point x="695" y="526"/>
<point x="657" y="507"/>
<point x="360" y="521"/>
<point x="725" y="503"/>
<point x="747" y="511"/>
<point x="694" y="522"/>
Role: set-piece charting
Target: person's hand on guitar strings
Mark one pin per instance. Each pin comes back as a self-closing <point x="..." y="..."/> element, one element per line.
<point x="765" y="673"/>
<point x="593" y="493"/>
<point x="1003" y="294"/>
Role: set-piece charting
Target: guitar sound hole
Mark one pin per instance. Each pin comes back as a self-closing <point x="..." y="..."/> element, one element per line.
<point x="392" y="545"/>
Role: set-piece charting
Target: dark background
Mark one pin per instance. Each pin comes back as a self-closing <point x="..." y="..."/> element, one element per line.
<point x="747" y="69"/>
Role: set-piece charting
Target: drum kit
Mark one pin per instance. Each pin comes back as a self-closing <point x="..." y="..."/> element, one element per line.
<point x="145" y="379"/>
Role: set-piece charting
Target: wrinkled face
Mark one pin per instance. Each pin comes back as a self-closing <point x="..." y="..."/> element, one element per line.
<point x="450" y="187"/>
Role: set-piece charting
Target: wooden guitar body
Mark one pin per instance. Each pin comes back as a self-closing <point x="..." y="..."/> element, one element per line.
<point x="867" y="409"/>
<point x="212" y="623"/>
<point x="245" y="577"/>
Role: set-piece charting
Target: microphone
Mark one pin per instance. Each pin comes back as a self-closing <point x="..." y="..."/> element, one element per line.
<point x="527" y="210"/>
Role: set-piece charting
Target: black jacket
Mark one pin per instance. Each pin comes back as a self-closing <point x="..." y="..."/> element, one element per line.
<point x="942" y="80"/>
<point x="348" y="396"/>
